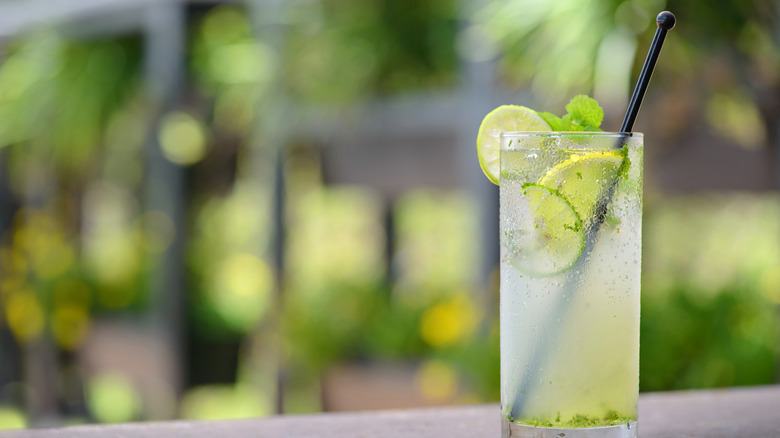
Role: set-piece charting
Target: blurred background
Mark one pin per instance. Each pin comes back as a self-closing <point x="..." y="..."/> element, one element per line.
<point x="237" y="209"/>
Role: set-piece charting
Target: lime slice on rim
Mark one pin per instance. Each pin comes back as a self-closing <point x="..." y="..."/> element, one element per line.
<point x="583" y="179"/>
<point x="505" y="118"/>
<point x="552" y="238"/>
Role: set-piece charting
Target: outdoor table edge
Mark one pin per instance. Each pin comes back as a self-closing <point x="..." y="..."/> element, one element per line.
<point x="730" y="412"/>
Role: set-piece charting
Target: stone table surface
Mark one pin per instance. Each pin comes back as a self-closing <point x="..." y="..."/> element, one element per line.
<point x="736" y="412"/>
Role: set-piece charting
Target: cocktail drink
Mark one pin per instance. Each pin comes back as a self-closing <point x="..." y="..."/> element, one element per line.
<point x="570" y="230"/>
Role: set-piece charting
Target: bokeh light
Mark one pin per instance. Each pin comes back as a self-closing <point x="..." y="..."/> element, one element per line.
<point x="449" y="321"/>
<point x="12" y="418"/>
<point x="182" y="138"/>
<point x="437" y="381"/>
<point x="113" y="399"/>
<point x="241" y="290"/>
<point x="222" y="402"/>
<point x="24" y="314"/>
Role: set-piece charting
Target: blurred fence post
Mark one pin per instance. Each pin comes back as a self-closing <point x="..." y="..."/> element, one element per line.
<point x="773" y="139"/>
<point x="477" y="98"/>
<point x="10" y="369"/>
<point x="164" y="53"/>
<point x="267" y="142"/>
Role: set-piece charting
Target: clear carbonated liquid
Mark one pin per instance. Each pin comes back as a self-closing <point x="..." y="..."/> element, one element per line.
<point x="570" y="328"/>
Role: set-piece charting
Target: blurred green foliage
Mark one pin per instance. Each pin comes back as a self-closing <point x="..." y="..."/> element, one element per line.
<point x="232" y="287"/>
<point x="331" y="286"/>
<point x="339" y="51"/>
<point x="563" y="47"/>
<point x="70" y="88"/>
<point x="710" y="292"/>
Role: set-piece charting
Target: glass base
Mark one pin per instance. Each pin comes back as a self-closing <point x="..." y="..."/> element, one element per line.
<point x="515" y="430"/>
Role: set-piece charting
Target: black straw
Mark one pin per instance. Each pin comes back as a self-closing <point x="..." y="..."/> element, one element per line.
<point x="665" y="22"/>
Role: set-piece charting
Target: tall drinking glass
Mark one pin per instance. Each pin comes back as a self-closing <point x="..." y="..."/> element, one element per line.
<point x="571" y="222"/>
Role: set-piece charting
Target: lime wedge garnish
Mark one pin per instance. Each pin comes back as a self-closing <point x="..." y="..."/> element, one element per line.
<point x="552" y="239"/>
<point x="583" y="179"/>
<point x="505" y="118"/>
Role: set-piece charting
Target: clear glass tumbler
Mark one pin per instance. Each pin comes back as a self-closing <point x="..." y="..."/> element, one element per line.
<point x="571" y="225"/>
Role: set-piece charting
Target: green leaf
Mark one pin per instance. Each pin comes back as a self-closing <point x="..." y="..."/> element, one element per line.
<point x="567" y="125"/>
<point x="585" y="113"/>
<point x="552" y="120"/>
<point x="626" y="164"/>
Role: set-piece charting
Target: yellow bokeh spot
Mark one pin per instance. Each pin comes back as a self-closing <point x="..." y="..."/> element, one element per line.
<point x="241" y="63"/>
<point x="222" y="402"/>
<point x="448" y="322"/>
<point x="241" y="290"/>
<point x="182" y="138"/>
<point x="24" y="315"/>
<point x="113" y="258"/>
<point x="39" y="238"/>
<point x="112" y="399"/>
<point x="70" y="324"/>
<point x="244" y="275"/>
<point x="12" y="261"/>
<point x="436" y="381"/>
<point x="12" y="418"/>
<point x="53" y="259"/>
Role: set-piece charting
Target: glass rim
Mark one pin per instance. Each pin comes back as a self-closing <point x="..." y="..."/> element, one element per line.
<point x="599" y="134"/>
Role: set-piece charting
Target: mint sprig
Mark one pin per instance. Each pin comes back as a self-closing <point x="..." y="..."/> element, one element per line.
<point x="583" y="114"/>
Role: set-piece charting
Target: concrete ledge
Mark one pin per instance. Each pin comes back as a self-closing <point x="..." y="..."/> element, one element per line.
<point x="736" y="412"/>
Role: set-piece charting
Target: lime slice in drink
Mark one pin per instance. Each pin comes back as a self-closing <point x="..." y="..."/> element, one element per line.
<point x="503" y="119"/>
<point x="583" y="180"/>
<point x="552" y="239"/>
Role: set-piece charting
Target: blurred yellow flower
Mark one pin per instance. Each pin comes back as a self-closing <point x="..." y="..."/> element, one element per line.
<point x="24" y="314"/>
<point x="436" y="380"/>
<point x="448" y="322"/>
<point x="70" y="325"/>
<point x="53" y="258"/>
<point x="13" y="261"/>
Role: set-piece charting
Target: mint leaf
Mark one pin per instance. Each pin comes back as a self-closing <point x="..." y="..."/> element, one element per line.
<point x="567" y="125"/>
<point x="626" y="164"/>
<point x="564" y="123"/>
<point x="585" y="113"/>
<point x="552" y="120"/>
